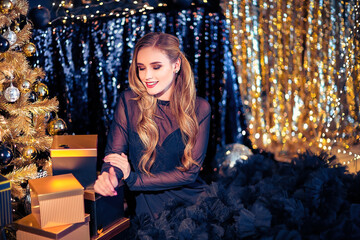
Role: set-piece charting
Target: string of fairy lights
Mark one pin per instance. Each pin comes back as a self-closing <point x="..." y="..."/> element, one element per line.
<point x="66" y="10"/>
<point x="100" y="10"/>
<point x="298" y="71"/>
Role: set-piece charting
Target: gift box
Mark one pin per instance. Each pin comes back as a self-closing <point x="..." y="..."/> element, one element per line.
<point x="76" y="154"/>
<point x="29" y="229"/>
<point x="5" y="202"/>
<point x="116" y="230"/>
<point x="57" y="200"/>
<point x="103" y="210"/>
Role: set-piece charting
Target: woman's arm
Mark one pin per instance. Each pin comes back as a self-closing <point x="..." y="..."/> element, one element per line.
<point x="117" y="140"/>
<point x="117" y="144"/>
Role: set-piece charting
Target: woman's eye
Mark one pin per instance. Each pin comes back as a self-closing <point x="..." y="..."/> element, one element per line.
<point x="157" y="67"/>
<point x="141" y="68"/>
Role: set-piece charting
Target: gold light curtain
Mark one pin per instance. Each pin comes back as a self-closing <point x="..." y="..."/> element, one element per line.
<point x="298" y="71"/>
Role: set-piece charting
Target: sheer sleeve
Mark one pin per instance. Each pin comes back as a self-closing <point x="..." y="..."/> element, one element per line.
<point x="176" y="178"/>
<point x="117" y="140"/>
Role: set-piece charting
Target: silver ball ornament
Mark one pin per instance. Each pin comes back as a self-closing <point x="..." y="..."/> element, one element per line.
<point x="10" y="36"/>
<point x="26" y="86"/>
<point x="12" y="94"/>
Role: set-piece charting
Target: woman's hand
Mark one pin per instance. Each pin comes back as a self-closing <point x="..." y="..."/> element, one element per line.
<point x="120" y="161"/>
<point x="106" y="183"/>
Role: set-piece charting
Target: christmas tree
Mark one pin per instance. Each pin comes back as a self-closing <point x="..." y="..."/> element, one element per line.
<point x="28" y="118"/>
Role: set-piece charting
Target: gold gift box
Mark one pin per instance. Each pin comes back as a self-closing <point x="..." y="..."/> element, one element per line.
<point x="30" y="229"/>
<point x="57" y="200"/>
<point x="76" y="154"/>
<point x="74" y="146"/>
<point x="5" y="202"/>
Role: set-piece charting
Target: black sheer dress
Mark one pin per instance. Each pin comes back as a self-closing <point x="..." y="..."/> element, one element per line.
<point x="168" y="183"/>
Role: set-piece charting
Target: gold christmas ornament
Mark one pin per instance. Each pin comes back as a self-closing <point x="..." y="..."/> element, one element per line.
<point x="56" y="126"/>
<point x="6" y="6"/>
<point x="29" y="153"/>
<point x="15" y="27"/>
<point x="29" y="49"/>
<point x="41" y="90"/>
<point x="25" y="86"/>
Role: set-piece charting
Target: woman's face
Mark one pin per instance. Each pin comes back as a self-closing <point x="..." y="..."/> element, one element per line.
<point x="156" y="72"/>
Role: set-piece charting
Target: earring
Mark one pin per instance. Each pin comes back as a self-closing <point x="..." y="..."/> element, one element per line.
<point x="176" y="71"/>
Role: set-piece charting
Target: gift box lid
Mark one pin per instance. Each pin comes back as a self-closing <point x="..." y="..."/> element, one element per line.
<point x="30" y="224"/>
<point x="74" y="146"/>
<point x="56" y="186"/>
<point x="4" y="184"/>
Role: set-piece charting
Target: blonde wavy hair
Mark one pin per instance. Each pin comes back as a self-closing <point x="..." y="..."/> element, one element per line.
<point x="182" y="101"/>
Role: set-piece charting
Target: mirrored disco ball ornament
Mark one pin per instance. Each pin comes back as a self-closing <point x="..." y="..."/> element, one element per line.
<point x="10" y="36"/>
<point x="12" y="94"/>
<point x="232" y="153"/>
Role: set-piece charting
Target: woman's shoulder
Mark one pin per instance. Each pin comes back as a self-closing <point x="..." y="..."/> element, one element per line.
<point x="126" y="99"/>
<point x="127" y="94"/>
<point x="202" y="107"/>
<point x="202" y="103"/>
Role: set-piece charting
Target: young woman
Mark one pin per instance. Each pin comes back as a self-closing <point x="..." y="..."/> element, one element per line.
<point x="160" y="131"/>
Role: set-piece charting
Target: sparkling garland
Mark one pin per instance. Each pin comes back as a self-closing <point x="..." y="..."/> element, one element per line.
<point x="298" y="72"/>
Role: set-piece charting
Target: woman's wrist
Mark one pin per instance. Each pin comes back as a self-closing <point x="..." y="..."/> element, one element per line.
<point x="130" y="179"/>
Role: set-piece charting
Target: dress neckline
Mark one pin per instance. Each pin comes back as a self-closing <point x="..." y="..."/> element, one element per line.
<point x="163" y="102"/>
